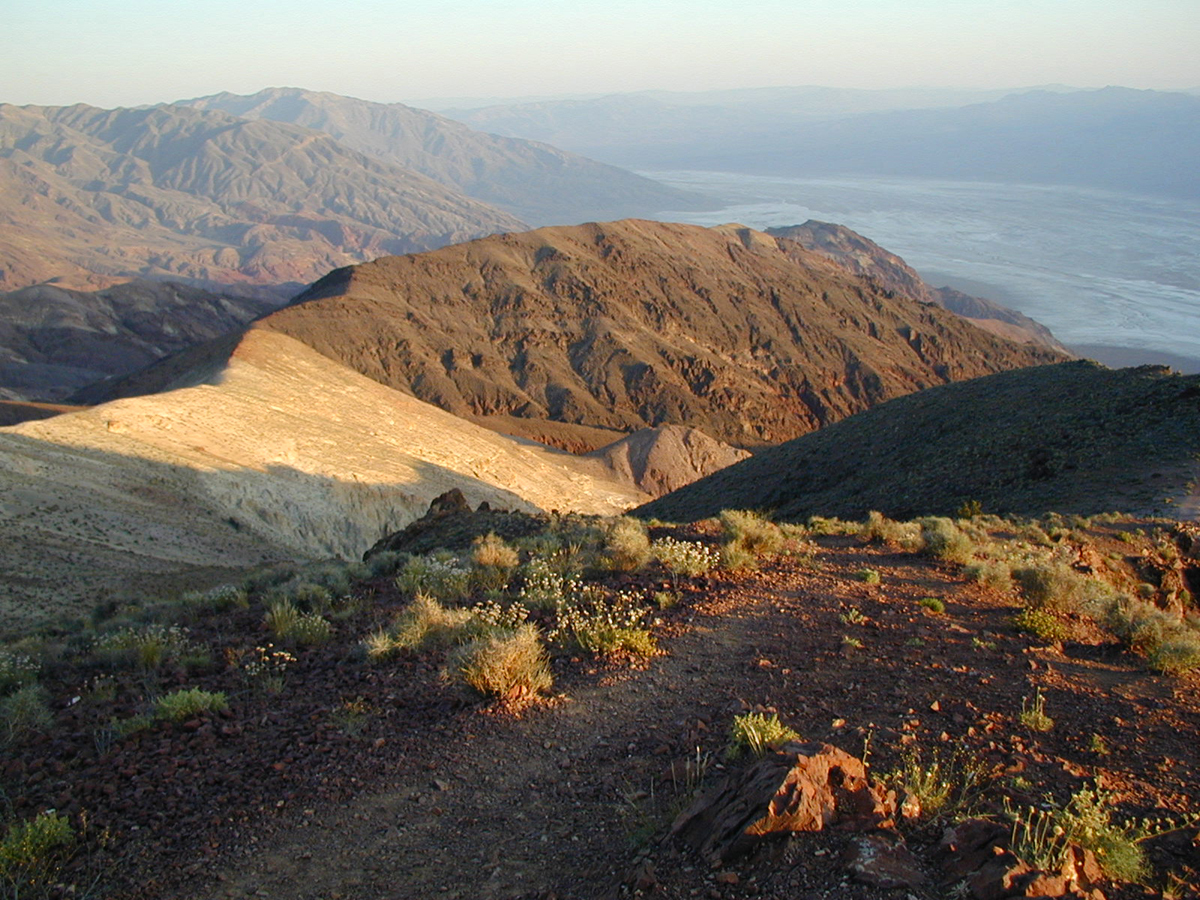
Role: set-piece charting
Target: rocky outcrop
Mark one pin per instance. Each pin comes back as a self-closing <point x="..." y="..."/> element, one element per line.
<point x="803" y="787"/>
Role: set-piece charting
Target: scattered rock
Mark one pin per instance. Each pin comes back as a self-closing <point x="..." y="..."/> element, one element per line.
<point x="879" y="861"/>
<point x="804" y="787"/>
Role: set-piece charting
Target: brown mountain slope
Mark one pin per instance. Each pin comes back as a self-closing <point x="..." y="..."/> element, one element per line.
<point x="90" y="197"/>
<point x="635" y="324"/>
<point x="539" y="183"/>
<point x="1072" y="438"/>
<point x="865" y="257"/>
<point x="55" y="341"/>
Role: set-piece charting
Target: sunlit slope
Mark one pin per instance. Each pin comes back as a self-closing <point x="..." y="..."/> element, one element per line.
<point x="278" y="453"/>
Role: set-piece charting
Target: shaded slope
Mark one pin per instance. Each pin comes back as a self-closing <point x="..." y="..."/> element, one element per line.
<point x="864" y="257"/>
<point x="55" y="341"/>
<point x="92" y="196"/>
<point x="1072" y="438"/>
<point x="634" y="324"/>
<point x="275" y="452"/>
<point x="539" y="183"/>
<point x="661" y="460"/>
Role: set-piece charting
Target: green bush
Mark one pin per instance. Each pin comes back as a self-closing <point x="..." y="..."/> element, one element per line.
<point x="1052" y="586"/>
<point x="942" y="539"/>
<point x="1168" y="643"/>
<point x="32" y="852"/>
<point x="439" y="578"/>
<point x="751" y="532"/>
<point x="146" y="647"/>
<point x="878" y="528"/>
<point x="1040" y="623"/>
<point x="688" y="558"/>
<point x="995" y="574"/>
<point x="867" y="576"/>
<point x="626" y="545"/>
<point x="23" y="713"/>
<point x="509" y="665"/>
<point x="17" y="670"/>
<point x="933" y="604"/>
<point x="188" y="702"/>
<point x="602" y="625"/>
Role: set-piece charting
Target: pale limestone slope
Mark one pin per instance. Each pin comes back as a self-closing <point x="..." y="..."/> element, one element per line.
<point x="279" y="453"/>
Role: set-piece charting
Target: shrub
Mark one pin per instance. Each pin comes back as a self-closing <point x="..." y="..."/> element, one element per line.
<point x="627" y="545"/>
<point x="493" y="562"/>
<point x="221" y="598"/>
<point x="24" y="713"/>
<point x="1169" y="644"/>
<point x="441" y="579"/>
<point x="602" y="625"/>
<point x="188" y="702"/>
<point x="425" y="623"/>
<point x="146" y="647"/>
<point x="310" y="630"/>
<point x="736" y="558"/>
<point x="948" y="784"/>
<point x="751" y="532"/>
<point x="758" y="733"/>
<point x="1041" y="624"/>
<point x="1051" y="586"/>
<point x="942" y="539"/>
<point x="509" y="665"/>
<point x="933" y="604"/>
<point x="878" y="528"/>
<point x="995" y="574"/>
<point x="281" y="617"/>
<point x="32" y="852"/>
<point x="17" y="670"/>
<point x="688" y="558"/>
<point x="823" y="525"/>
<point x="1033" y="713"/>
<point x="867" y="576"/>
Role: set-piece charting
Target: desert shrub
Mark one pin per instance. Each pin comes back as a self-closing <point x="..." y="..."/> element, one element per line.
<point x="17" y="670"/>
<point x="443" y="579"/>
<point x="187" y="702"/>
<point x="1169" y="644"/>
<point x="32" y="852"/>
<point x="603" y="625"/>
<point x="23" y="713"/>
<point x="688" y="558"/>
<point x="509" y="665"/>
<point x="867" y="576"/>
<point x="1043" y="837"/>
<point x="1051" y="585"/>
<point x="626" y="545"/>
<point x="310" y="630"/>
<point x="425" y="623"/>
<point x="1041" y="624"/>
<point x="1033" y="713"/>
<point x="736" y="558"/>
<point x="824" y="525"/>
<point x="758" y="733"/>
<point x="878" y="528"/>
<point x="994" y="573"/>
<point x="147" y="646"/>
<point x="933" y="604"/>
<point x="384" y="563"/>
<point x="944" y="540"/>
<point x="751" y="531"/>
<point x="221" y="598"/>
<point x="944" y="784"/>
<point x="543" y="587"/>
<point x="492" y="563"/>
<point x="281" y="617"/>
<point x="309" y="596"/>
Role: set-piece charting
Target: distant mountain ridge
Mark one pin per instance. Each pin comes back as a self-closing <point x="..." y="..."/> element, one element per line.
<point x="91" y="197"/>
<point x="538" y="183"/>
<point x="633" y="324"/>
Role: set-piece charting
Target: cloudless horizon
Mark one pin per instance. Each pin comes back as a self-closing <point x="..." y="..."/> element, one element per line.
<point x="146" y="51"/>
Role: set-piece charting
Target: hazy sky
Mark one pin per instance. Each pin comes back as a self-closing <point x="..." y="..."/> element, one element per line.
<point x="144" y="51"/>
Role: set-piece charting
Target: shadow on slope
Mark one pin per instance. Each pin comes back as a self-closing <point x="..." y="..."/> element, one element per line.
<point x="1073" y="438"/>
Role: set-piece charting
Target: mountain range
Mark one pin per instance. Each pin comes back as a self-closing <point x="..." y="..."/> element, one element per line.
<point x="1114" y="138"/>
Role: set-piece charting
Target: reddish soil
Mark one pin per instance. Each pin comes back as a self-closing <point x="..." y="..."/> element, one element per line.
<point x="422" y="793"/>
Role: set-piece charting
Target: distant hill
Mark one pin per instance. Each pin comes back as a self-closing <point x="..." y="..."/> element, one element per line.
<point x="634" y="324"/>
<point x="864" y="257"/>
<point x="1071" y="438"/>
<point x="539" y="183"/>
<point x="91" y="197"/>
<point x="263" y="451"/>
<point x="54" y="341"/>
<point x="1114" y="138"/>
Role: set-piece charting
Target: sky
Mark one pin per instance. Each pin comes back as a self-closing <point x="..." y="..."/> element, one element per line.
<point x="147" y="51"/>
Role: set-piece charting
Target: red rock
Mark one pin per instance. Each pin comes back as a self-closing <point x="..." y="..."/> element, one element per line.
<point x="876" y="861"/>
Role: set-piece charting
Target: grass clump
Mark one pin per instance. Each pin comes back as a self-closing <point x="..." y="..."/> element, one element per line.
<point x="879" y="529"/>
<point x="425" y="623"/>
<point x="440" y="578"/>
<point x="17" y="670"/>
<point x="24" y="713"/>
<point x="757" y="733"/>
<point x="187" y="702"/>
<point x="1052" y="586"/>
<point x="736" y="558"/>
<point x="943" y="785"/>
<point x="751" y="532"/>
<point x="1033" y="713"/>
<point x="867" y="576"/>
<point x="1168" y="642"/>
<point x="289" y="623"/>
<point x="626" y="545"/>
<point x="147" y="647"/>
<point x="994" y="573"/>
<point x="1041" y="624"/>
<point x="492" y="563"/>
<point x="944" y="540"/>
<point x="506" y="664"/>
<point x="933" y="604"/>
<point x="32" y="852"/>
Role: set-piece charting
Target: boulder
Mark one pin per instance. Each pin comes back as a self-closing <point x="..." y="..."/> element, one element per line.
<point x="803" y="787"/>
